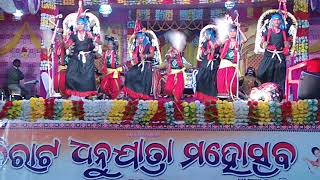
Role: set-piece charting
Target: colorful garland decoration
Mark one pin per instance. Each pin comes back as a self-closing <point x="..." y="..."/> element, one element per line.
<point x="15" y="111"/>
<point x="159" y="117"/>
<point x="301" y="12"/>
<point x="190" y="112"/>
<point x="37" y="108"/>
<point x="117" y="113"/>
<point x="226" y="114"/>
<point x="49" y="109"/>
<point x="211" y="112"/>
<point x="160" y="113"/>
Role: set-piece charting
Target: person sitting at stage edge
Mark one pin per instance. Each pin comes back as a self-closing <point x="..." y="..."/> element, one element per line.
<point x="14" y="77"/>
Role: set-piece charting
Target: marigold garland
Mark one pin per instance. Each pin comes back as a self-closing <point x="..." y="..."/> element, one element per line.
<point x="189" y="110"/>
<point x="117" y="113"/>
<point x="67" y="111"/>
<point x="49" y="109"/>
<point x="153" y="108"/>
<point x="178" y="111"/>
<point x="130" y="111"/>
<point x="226" y="114"/>
<point x="15" y="111"/>
<point x="37" y="108"/>
<point x="286" y="108"/>
<point x="299" y="112"/>
<point x="252" y="115"/>
<point x="152" y="112"/>
<point x="159" y="117"/>
<point x="211" y="112"/>
<point x="78" y="110"/>
<point x="263" y="112"/>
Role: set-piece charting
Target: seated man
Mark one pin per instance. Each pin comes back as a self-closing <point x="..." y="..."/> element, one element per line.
<point x="14" y="77"/>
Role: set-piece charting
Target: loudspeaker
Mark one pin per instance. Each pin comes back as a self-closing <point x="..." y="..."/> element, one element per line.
<point x="309" y="86"/>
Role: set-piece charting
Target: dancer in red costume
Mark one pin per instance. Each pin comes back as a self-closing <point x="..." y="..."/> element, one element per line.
<point x="111" y="82"/>
<point x="227" y="73"/>
<point x="175" y="81"/>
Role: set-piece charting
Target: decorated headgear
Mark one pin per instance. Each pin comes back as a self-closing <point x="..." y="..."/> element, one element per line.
<point x="279" y="17"/>
<point x="82" y="18"/>
<point x="140" y="33"/>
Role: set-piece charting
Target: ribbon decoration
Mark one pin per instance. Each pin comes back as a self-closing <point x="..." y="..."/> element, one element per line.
<point x="16" y="39"/>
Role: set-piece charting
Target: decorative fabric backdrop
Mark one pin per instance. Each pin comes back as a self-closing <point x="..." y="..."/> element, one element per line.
<point x="26" y="49"/>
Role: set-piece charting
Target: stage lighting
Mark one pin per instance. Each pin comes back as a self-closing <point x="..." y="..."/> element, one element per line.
<point x="18" y="14"/>
<point x="105" y="10"/>
<point x="229" y="4"/>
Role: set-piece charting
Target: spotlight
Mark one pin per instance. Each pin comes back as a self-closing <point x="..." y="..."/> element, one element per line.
<point x="18" y="14"/>
<point x="105" y="10"/>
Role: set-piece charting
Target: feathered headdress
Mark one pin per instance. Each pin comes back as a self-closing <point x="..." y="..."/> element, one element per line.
<point x="82" y="18"/>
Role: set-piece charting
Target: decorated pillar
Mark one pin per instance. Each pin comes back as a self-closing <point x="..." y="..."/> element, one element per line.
<point x="48" y="15"/>
<point x="301" y="12"/>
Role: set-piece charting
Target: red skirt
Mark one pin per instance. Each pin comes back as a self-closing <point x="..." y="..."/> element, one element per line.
<point x="111" y="86"/>
<point x="175" y="85"/>
<point x="227" y="81"/>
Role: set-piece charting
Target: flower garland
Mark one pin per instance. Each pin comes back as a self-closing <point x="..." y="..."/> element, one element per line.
<point x="6" y="107"/>
<point x="169" y="112"/>
<point x="153" y="108"/>
<point x="241" y="109"/>
<point x="252" y="115"/>
<point x="49" y="108"/>
<point x="58" y="109"/>
<point x="26" y="110"/>
<point x="189" y="110"/>
<point x="117" y="113"/>
<point x="226" y="114"/>
<point x="211" y="112"/>
<point x="264" y="115"/>
<point x="130" y="111"/>
<point x="275" y="112"/>
<point x="67" y="111"/>
<point x="299" y="112"/>
<point x="312" y="112"/>
<point x="15" y="111"/>
<point x="37" y="108"/>
<point x="141" y="112"/>
<point x="286" y="109"/>
<point x="151" y="112"/>
<point x="178" y="112"/>
<point x="301" y="12"/>
<point x="200" y="111"/>
<point x="78" y="110"/>
<point x="159" y="117"/>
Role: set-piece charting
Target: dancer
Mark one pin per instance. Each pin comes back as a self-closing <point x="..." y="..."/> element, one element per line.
<point x="207" y="77"/>
<point x="228" y="70"/>
<point x="138" y="80"/>
<point x="111" y="82"/>
<point x="81" y="80"/>
<point x="175" y="81"/>
<point x="276" y="42"/>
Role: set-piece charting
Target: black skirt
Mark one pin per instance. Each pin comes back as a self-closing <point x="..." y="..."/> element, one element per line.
<point x="271" y="70"/>
<point x="81" y="79"/>
<point x="207" y="79"/>
<point x="138" y="83"/>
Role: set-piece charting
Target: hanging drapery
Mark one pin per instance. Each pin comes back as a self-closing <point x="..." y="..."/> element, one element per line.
<point x="13" y="43"/>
